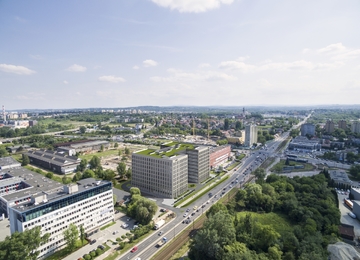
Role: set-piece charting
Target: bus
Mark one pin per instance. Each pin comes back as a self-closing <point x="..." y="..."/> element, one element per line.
<point x="292" y="155"/>
<point x="348" y="203"/>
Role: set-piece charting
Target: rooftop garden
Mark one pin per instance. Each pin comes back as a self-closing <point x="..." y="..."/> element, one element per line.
<point x="167" y="153"/>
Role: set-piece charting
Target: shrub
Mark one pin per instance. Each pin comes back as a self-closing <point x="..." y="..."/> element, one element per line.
<point x="121" y="245"/>
<point x="118" y="239"/>
<point x="98" y="251"/>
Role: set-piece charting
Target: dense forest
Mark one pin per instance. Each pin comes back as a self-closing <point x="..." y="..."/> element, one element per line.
<point x="281" y="218"/>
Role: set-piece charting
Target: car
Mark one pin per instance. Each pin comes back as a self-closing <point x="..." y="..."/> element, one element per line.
<point x="207" y="202"/>
<point x="160" y="233"/>
<point x="93" y="241"/>
<point x="215" y="196"/>
<point x="352" y="215"/>
<point x="134" y="249"/>
<point x="101" y="247"/>
<point x="203" y="206"/>
<point x="195" y="207"/>
<point x="125" y="225"/>
<point x="137" y="258"/>
<point x="115" y="232"/>
<point x="135" y="226"/>
<point x="192" y="214"/>
<point x="197" y="210"/>
<point x="224" y="188"/>
<point x="230" y="186"/>
<point x="185" y="215"/>
<point x="188" y="209"/>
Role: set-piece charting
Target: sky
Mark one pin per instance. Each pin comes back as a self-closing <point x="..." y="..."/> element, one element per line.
<point x="124" y="53"/>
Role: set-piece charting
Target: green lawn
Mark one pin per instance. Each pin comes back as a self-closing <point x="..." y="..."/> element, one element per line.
<point x="278" y="221"/>
<point x="65" y="251"/>
<point x="62" y="122"/>
<point x="108" y="225"/>
<point x="232" y="166"/>
<point x="279" y="166"/>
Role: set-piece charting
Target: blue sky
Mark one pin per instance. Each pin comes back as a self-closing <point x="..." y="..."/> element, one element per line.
<point x="119" y="53"/>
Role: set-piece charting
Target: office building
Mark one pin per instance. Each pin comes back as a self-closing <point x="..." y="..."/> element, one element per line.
<point x="166" y="172"/>
<point x="198" y="164"/>
<point x="342" y="124"/>
<point x="301" y="143"/>
<point x="219" y="155"/>
<point x="162" y="173"/>
<point x="89" y="203"/>
<point x="329" y="126"/>
<point x="307" y="129"/>
<point x="250" y="135"/>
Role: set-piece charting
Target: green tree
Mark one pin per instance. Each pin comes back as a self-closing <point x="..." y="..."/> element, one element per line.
<point x="116" y="145"/>
<point x="95" y="162"/>
<point x="66" y="180"/>
<point x="355" y="171"/>
<point x="88" y="174"/>
<point x="82" y="166"/>
<point x="260" y="174"/>
<point x="121" y="169"/>
<point x="238" y="125"/>
<point x="25" y="160"/>
<point x="226" y="124"/>
<point x="127" y="151"/>
<point x="82" y="129"/>
<point x="128" y="173"/>
<point x="23" y="245"/>
<point x="82" y="234"/>
<point x="49" y="175"/>
<point x="71" y="234"/>
<point x="77" y="176"/>
<point x="3" y="152"/>
<point x="102" y="148"/>
<point x="135" y="191"/>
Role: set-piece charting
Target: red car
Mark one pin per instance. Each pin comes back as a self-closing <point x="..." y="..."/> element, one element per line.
<point x="134" y="249"/>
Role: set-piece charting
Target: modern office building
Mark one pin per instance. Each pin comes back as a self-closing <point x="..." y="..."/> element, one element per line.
<point x="198" y="164"/>
<point x="307" y="129"/>
<point x="342" y="124"/>
<point x="355" y="126"/>
<point x="250" y="135"/>
<point x="166" y="172"/>
<point x="329" y="126"/>
<point x="162" y="173"/>
<point x="55" y="161"/>
<point x="219" y="155"/>
<point x="89" y="203"/>
<point x="301" y="143"/>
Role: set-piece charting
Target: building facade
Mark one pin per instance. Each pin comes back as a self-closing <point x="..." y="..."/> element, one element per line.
<point x="198" y="164"/>
<point x="160" y="176"/>
<point x="219" y="155"/>
<point x="329" y="126"/>
<point x="307" y="129"/>
<point x="301" y="143"/>
<point x="355" y="127"/>
<point x="250" y="135"/>
<point x="342" y="124"/>
<point x="89" y="203"/>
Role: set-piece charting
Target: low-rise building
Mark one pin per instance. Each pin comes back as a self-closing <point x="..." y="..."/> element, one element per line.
<point x="304" y="144"/>
<point x="54" y="161"/>
<point x="219" y="155"/>
<point x="8" y="162"/>
<point x="340" y="177"/>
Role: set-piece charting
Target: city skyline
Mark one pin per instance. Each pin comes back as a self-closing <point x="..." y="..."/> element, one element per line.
<point x="178" y="53"/>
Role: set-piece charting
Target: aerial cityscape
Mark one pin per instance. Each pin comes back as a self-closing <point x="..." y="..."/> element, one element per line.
<point x="179" y="129"/>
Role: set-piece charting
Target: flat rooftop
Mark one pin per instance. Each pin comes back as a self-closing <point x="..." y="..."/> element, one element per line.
<point x="58" y="194"/>
<point x="37" y="183"/>
<point x="8" y="161"/>
<point x="338" y="175"/>
<point x="167" y="152"/>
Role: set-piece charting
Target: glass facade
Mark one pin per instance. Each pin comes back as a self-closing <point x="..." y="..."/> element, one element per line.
<point x="64" y="202"/>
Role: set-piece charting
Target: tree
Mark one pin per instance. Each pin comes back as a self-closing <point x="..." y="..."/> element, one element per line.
<point x="77" y="177"/>
<point x="66" y="180"/>
<point x="71" y="234"/>
<point x="135" y="191"/>
<point x="25" y="160"/>
<point x="238" y="125"/>
<point x="82" y="234"/>
<point x="128" y="173"/>
<point x="355" y="170"/>
<point x="260" y="174"/>
<point x="3" y="152"/>
<point x="82" y="166"/>
<point x="142" y="209"/>
<point x="49" y="175"/>
<point x="94" y="162"/>
<point x="88" y="174"/>
<point x="127" y="151"/>
<point x="102" y="148"/>
<point x="23" y="245"/>
<point x="121" y="169"/>
<point x="82" y="129"/>
<point x="116" y="145"/>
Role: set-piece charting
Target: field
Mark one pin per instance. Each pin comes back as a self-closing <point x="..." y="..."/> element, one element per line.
<point x="106" y="153"/>
<point x="278" y="221"/>
<point x="61" y="122"/>
<point x="279" y="166"/>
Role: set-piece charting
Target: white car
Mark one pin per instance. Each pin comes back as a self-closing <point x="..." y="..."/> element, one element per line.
<point x="185" y="215"/>
<point x="124" y="225"/>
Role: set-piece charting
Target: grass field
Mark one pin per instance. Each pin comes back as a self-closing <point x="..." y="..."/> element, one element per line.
<point x="279" y="166"/>
<point x="278" y="221"/>
<point x="62" y="122"/>
<point x="100" y="154"/>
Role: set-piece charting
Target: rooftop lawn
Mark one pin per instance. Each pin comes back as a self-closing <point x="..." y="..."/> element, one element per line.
<point x="174" y="151"/>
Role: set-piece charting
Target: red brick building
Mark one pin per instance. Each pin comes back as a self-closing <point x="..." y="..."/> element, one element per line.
<point x="219" y="155"/>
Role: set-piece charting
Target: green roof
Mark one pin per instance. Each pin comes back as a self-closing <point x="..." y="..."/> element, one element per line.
<point x="162" y="152"/>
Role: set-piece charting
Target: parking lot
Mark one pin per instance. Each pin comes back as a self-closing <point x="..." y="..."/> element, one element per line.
<point x="345" y="218"/>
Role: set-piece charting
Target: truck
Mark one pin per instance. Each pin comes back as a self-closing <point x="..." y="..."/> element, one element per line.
<point x="348" y="203"/>
<point x="161" y="242"/>
<point x="159" y="224"/>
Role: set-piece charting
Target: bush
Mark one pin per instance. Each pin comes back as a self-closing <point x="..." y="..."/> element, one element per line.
<point x="98" y="251"/>
<point x="123" y="236"/>
<point x="93" y="254"/>
<point x="87" y="257"/>
<point x="127" y="234"/>
<point x="118" y="239"/>
<point x="121" y="245"/>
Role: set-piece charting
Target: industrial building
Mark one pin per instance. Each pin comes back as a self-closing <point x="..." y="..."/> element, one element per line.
<point x="83" y="146"/>
<point x="55" y="161"/>
<point x="8" y="162"/>
<point x="302" y="143"/>
<point x="89" y="203"/>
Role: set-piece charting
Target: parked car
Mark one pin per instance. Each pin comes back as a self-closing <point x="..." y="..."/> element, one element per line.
<point x="101" y="247"/>
<point x="185" y="215"/>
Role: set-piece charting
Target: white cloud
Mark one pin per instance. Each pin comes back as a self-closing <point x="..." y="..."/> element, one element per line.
<point x="337" y="47"/>
<point x="237" y="65"/>
<point x="21" y="70"/>
<point x="306" y="50"/>
<point x="65" y="82"/>
<point x="204" y="65"/>
<point x="192" y="6"/>
<point x="180" y="76"/>
<point x="136" y="67"/>
<point x="338" y="51"/>
<point x="264" y="83"/>
<point x="149" y="63"/>
<point x="111" y="79"/>
<point x="76" y="68"/>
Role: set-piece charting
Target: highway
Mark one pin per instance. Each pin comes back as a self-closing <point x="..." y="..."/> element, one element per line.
<point x="147" y="248"/>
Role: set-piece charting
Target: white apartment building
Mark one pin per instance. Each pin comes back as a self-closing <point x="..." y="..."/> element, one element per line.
<point x="251" y="135"/>
<point x="88" y="203"/>
<point x="355" y="127"/>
